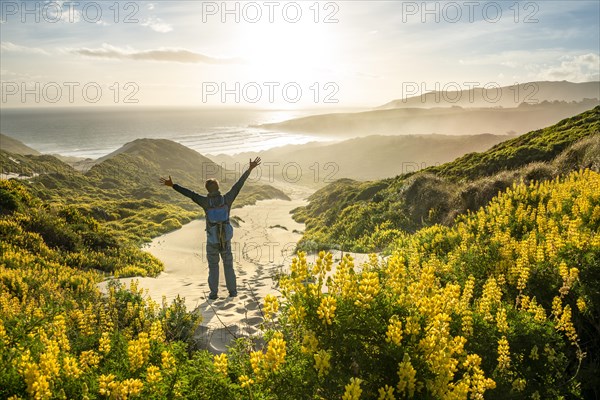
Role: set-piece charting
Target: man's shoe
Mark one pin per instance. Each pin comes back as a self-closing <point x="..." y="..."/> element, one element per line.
<point x="232" y="294"/>
<point x="212" y="297"/>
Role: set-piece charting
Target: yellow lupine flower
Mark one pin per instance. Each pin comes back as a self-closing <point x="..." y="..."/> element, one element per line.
<point x="322" y="364"/>
<point x="49" y="364"/>
<point x="130" y="387"/>
<point x="220" y="362"/>
<point x="138" y="351"/>
<point x="89" y="359"/>
<point x="326" y="310"/>
<point x="297" y="313"/>
<point x="71" y="367"/>
<point x="407" y="375"/>
<point x="501" y="320"/>
<point x="386" y="393"/>
<point x="503" y="353"/>
<point x="245" y="381"/>
<point x="581" y="305"/>
<point x="256" y="361"/>
<point x="271" y="306"/>
<point x="309" y="342"/>
<point x="156" y="332"/>
<point x="353" y="390"/>
<point x="275" y="355"/>
<point x="153" y="374"/>
<point x="368" y="288"/>
<point x="167" y="359"/>
<point x="394" y="331"/>
<point x="38" y="385"/>
<point x="107" y="384"/>
<point x="104" y="343"/>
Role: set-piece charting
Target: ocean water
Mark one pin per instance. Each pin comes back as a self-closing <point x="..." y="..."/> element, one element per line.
<point x="93" y="133"/>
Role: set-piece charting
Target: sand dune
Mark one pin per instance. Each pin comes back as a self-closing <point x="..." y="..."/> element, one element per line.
<point x="263" y="246"/>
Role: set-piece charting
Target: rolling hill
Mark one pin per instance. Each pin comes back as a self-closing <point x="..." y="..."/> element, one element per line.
<point x="15" y="146"/>
<point x="493" y="95"/>
<point x="370" y="157"/>
<point x="367" y="216"/>
<point x="123" y="191"/>
<point x="444" y="121"/>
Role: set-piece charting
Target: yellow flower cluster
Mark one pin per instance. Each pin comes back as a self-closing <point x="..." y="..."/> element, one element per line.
<point x="322" y="362"/>
<point x="264" y="363"/>
<point x="386" y="393"/>
<point x="271" y="307"/>
<point x="104" y="343"/>
<point x="503" y="354"/>
<point x="275" y="355"/>
<point x="353" y="390"/>
<point x="138" y="351"/>
<point x="245" y="381"/>
<point x="113" y="389"/>
<point x="326" y="310"/>
<point x="153" y="374"/>
<point x="167" y="359"/>
<point x="309" y="342"/>
<point x="220" y="362"/>
<point x="394" y="331"/>
<point x="368" y="288"/>
<point x="406" y="374"/>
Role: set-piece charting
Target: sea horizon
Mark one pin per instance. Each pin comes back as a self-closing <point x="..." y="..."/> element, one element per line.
<point x="94" y="132"/>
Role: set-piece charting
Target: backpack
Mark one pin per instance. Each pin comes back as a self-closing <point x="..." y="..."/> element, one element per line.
<point x="218" y="228"/>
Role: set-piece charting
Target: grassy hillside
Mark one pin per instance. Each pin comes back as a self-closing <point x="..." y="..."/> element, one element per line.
<point x="123" y="190"/>
<point x="540" y="145"/>
<point x="366" y="216"/>
<point x="504" y="304"/>
<point x="15" y="146"/>
<point x="370" y="157"/>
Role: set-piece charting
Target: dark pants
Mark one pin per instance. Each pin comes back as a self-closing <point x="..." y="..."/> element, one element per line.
<point x="212" y="254"/>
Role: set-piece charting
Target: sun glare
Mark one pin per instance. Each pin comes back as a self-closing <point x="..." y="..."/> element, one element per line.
<point x="287" y="50"/>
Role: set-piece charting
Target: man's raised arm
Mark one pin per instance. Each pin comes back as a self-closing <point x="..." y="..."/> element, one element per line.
<point x="197" y="198"/>
<point x="235" y="189"/>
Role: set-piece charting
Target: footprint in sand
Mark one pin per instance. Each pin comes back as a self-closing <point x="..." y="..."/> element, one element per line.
<point x="253" y="321"/>
<point x="252" y="306"/>
<point x="228" y="306"/>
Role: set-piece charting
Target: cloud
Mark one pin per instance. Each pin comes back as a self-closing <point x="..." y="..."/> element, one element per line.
<point x="10" y="47"/>
<point x="579" y="68"/>
<point x="162" y="54"/>
<point x="157" y="25"/>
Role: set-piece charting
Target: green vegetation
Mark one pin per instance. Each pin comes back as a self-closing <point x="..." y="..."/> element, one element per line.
<point x="123" y="190"/>
<point x="538" y="146"/>
<point x="501" y="303"/>
<point x="504" y="304"/>
<point x="367" y="216"/>
<point x="62" y="235"/>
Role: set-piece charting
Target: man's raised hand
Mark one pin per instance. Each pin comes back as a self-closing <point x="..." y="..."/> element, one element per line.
<point x="166" y="182"/>
<point x="255" y="163"/>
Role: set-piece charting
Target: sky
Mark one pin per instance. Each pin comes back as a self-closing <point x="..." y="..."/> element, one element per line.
<point x="284" y="55"/>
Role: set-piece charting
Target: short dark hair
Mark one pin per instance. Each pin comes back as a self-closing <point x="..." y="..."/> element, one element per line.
<point x="211" y="185"/>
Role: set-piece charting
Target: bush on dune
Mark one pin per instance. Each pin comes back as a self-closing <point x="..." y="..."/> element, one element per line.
<point x="504" y="304"/>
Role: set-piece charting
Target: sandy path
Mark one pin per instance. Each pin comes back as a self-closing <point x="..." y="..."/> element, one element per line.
<point x="263" y="244"/>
